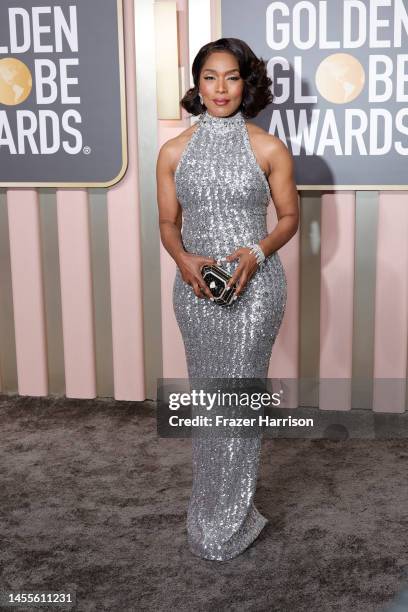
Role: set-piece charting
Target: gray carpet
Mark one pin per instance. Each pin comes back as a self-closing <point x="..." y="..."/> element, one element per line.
<point x="92" y="501"/>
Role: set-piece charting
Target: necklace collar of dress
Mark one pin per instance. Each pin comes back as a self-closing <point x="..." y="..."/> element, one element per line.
<point x="222" y="124"/>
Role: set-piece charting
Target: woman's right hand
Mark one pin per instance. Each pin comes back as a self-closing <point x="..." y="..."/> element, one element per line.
<point x="190" y="266"/>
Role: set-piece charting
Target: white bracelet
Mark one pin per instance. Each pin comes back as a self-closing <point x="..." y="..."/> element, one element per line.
<point x="258" y="252"/>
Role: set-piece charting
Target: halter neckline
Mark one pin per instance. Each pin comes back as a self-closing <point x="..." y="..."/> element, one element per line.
<point x="222" y="123"/>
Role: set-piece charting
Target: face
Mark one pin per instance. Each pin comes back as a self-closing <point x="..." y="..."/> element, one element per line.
<point x="221" y="85"/>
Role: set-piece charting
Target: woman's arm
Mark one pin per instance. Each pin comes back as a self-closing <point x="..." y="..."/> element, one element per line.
<point x="284" y="196"/>
<point x="286" y="201"/>
<point x="170" y="217"/>
<point x="170" y="222"/>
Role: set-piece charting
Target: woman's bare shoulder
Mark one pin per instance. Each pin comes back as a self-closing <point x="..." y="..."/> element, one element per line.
<point x="271" y="146"/>
<point x="269" y="140"/>
<point x="172" y="149"/>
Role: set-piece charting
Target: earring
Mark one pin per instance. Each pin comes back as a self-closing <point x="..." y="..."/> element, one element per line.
<point x="201" y="97"/>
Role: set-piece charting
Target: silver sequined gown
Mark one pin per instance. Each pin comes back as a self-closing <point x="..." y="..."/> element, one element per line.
<point x="224" y="194"/>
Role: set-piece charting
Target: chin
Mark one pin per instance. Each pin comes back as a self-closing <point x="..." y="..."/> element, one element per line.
<point x="228" y="109"/>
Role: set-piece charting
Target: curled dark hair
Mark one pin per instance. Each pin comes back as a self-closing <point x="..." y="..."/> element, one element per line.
<point x="256" y="94"/>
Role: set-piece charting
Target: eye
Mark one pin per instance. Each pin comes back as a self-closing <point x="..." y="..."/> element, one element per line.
<point x="233" y="78"/>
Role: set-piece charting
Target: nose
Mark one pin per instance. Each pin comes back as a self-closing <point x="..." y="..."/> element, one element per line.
<point x="221" y="85"/>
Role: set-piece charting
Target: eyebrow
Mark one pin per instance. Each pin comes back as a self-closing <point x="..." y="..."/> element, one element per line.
<point x="226" y="72"/>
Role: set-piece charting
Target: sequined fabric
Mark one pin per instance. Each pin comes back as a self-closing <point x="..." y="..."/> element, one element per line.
<point x="224" y="195"/>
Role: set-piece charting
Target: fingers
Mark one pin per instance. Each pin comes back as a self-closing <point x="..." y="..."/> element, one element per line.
<point x="244" y="271"/>
<point x="201" y="289"/>
<point x="239" y="278"/>
<point x="197" y="290"/>
<point x="195" y="279"/>
<point x="241" y="283"/>
<point x="205" y="289"/>
<point x="235" y="276"/>
<point x="235" y="255"/>
<point x="233" y="279"/>
<point x="207" y="260"/>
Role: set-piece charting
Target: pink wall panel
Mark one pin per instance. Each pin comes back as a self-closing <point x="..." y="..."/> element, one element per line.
<point x="28" y="292"/>
<point x="125" y="249"/>
<point x="391" y="303"/>
<point x="336" y="299"/>
<point x="174" y="361"/>
<point x="284" y="360"/>
<point x="76" y="293"/>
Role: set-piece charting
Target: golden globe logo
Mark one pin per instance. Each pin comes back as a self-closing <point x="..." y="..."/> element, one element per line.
<point x="15" y="81"/>
<point x="340" y="78"/>
<point x="46" y="130"/>
<point x="371" y="31"/>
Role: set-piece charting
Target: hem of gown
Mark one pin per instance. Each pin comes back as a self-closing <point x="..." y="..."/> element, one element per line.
<point x="247" y="534"/>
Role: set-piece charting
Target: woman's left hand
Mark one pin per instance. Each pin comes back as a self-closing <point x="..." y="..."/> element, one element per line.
<point x="247" y="267"/>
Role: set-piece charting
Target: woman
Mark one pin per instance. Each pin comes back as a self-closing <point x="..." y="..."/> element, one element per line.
<point x="214" y="182"/>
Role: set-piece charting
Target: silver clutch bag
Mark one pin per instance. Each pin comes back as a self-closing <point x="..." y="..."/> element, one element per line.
<point x="217" y="278"/>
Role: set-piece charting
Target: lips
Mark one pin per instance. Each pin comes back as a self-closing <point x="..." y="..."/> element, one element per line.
<point x="221" y="102"/>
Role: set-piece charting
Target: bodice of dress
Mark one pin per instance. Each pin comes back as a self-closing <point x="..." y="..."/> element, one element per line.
<point x="221" y="188"/>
